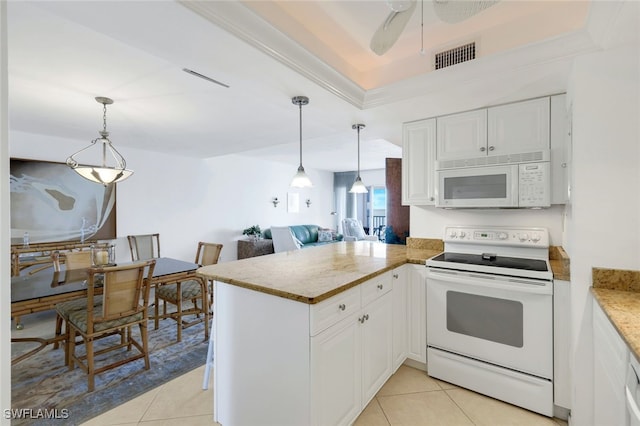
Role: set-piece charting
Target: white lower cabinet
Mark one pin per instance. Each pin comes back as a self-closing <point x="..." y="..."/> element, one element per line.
<point x="401" y="316"/>
<point x="279" y="361"/>
<point x="416" y="285"/>
<point x="610" y="361"/>
<point x="336" y="365"/>
<point x="352" y="359"/>
<point x="562" y="344"/>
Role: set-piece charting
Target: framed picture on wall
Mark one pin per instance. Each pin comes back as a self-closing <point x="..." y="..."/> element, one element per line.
<point x="53" y="203"/>
<point x="293" y="202"/>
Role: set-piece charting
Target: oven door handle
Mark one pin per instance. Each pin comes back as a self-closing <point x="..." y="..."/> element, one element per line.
<point x="522" y="285"/>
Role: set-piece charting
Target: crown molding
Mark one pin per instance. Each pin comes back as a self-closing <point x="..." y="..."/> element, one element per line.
<point x="238" y="20"/>
<point x="554" y="53"/>
<point x="558" y="50"/>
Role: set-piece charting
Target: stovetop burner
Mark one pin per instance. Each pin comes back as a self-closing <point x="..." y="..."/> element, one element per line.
<point x="494" y="261"/>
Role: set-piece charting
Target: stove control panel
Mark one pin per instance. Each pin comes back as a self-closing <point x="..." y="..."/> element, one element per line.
<point x="523" y="237"/>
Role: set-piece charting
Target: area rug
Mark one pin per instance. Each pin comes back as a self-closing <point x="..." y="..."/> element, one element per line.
<point x="45" y="386"/>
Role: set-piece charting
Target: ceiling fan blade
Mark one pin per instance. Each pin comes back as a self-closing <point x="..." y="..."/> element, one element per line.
<point x="389" y="32"/>
<point x="454" y="11"/>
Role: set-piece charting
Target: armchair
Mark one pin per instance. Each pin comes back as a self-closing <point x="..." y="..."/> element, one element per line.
<point x="353" y="231"/>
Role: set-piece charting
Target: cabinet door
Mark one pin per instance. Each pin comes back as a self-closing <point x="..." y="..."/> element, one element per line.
<point x="400" y="316"/>
<point x="417" y="282"/>
<point x="560" y="149"/>
<point x="518" y="127"/>
<point x="561" y="344"/>
<point x="377" y="342"/>
<point x="610" y="358"/>
<point x="462" y="135"/>
<point x="418" y="158"/>
<point x="336" y="365"/>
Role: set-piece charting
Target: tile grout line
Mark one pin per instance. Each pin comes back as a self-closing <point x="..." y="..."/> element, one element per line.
<point x="461" y="409"/>
<point x="383" y="412"/>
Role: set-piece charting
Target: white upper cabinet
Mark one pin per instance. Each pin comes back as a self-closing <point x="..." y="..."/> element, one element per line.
<point x="462" y="135"/>
<point x="418" y="162"/>
<point x="518" y="127"/>
<point x="560" y="149"/>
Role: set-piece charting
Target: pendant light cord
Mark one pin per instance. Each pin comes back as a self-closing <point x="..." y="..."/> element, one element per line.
<point x="422" y="28"/>
<point x="300" y="106"/>
<point x="358" y="150"/>
<point x="104" y="118"/>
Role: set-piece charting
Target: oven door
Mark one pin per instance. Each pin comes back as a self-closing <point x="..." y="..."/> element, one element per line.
<point x="501" y="320"/>
<point x="489" y="186"/>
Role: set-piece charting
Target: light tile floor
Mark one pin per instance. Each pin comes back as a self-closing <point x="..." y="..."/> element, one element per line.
<point x="409" y="398"/>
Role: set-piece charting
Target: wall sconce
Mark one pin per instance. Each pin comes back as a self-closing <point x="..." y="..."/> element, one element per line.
<point x="308" y="202"/>
<point x="275" y="201"/>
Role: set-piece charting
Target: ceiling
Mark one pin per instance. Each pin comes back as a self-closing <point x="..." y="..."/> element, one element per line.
<point x="63" y="54"/>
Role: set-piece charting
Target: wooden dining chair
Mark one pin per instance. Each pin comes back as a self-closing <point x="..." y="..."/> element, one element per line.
<point x="208" y="254"/>
<point x="144" y="246"/>
<point x="76" y="264"/>
<point x="192" y="291"/>
<point x="124" y="304"/>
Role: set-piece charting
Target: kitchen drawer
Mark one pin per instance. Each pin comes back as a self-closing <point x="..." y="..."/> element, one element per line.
<point x="375" y="288"/>
<point x="328" y="312"/>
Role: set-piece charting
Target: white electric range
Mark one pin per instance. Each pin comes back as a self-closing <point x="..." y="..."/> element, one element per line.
<point x="490" y="314"/>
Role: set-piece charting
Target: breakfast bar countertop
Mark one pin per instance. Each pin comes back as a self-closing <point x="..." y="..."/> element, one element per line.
<point x="313" y="275"/>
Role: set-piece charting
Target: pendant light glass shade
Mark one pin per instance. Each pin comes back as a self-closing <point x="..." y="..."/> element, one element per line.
<point x="300" y="180"/>
<point x="358" y="186"/>
<point x="103" y="174"/>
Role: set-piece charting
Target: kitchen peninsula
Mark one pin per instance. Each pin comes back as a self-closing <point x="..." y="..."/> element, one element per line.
<point x="308" y="336"/>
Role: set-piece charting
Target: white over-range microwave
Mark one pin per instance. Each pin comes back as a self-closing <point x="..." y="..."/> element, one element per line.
<point x="506" y="181"/>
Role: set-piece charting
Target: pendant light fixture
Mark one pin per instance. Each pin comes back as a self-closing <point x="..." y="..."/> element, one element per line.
<point x="300" y="180"/>
<point x="358" y="187"/>
<point x="103" y="174"/>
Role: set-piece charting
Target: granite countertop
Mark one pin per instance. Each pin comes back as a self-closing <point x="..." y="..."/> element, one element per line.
<point x="559" y="261"/>
<point x="618" y="294"/>
<point x="313" y="275"/>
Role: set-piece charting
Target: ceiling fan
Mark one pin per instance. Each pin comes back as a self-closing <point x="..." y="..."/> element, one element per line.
<point x="449" y="11"/>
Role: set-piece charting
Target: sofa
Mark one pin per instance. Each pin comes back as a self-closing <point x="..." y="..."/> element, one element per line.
<point x="310" y="235"/>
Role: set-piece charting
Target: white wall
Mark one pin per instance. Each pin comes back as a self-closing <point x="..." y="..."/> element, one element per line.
<point x="188" y="200"/>
<point x="604" y="225"/>
<point x="5" y="290"/>
<point x="429" y="222"/>
<point x="375" y="177"/>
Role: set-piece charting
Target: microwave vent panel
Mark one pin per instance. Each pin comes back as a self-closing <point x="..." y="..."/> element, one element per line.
<point x="455" y="56"/>
<point x="493" y="160"/>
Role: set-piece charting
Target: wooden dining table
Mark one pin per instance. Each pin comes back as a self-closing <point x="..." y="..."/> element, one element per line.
<point x="31" y="293"/>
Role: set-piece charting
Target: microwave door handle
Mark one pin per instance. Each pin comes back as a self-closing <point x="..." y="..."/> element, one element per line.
<point x="522" y="285"/>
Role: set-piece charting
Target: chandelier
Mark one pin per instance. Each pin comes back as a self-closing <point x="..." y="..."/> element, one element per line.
<point x="103" y="174"/>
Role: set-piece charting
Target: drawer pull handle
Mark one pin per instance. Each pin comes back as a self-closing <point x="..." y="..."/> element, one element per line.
<point x="380" y="286"/>
<point x="366" y="317"/>
<point x="361" y="320"/>
<point x="396" y="275"/>
<point x="342" y="306"/>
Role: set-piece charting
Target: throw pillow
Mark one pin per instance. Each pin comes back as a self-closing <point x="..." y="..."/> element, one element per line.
<point x="324" y="236"/>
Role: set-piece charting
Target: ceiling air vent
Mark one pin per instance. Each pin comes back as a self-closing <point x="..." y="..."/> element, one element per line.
<point x="456" y="55"/>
